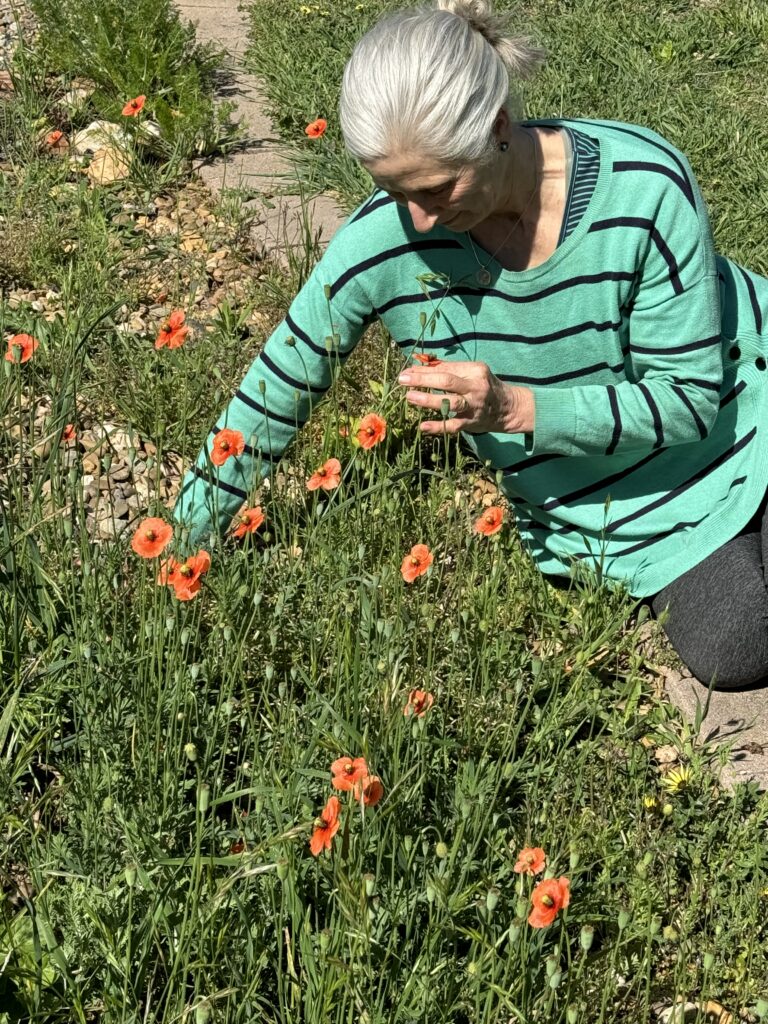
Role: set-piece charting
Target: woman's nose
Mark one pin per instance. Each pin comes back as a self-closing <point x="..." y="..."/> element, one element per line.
<point x="424" y="218"/>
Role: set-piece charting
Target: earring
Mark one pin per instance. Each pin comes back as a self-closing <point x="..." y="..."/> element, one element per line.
<point x="503" y="146"/>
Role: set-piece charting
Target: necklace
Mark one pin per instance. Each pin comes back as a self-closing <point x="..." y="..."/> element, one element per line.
<point x="483" y="275"/>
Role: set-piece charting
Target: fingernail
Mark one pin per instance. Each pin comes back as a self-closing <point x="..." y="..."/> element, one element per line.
<point x="404" y="378"/>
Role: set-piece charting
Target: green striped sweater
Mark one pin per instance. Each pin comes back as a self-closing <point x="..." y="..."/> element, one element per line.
<point x="645" y="351"/>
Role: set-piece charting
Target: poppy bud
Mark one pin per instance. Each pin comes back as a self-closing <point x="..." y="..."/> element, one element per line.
<point x="269" y="671"/>
<point x="573" y="860"/>
<point x="572" y="1014"/>
<point x="203" y="797"/>
<point x="552" y="964"/>
<point x="515" y="928"/>
<point x="262" y="386"/>
<point x="184" y="636"/>
<point x="624" y="918"/>
<point x="423" y="319"/>
<point x="194" y="671"/>
<point x="290" y="341"/>
<point x="202" y="1013"/>
<point x="445" y="408"/>
<point x="170" y="622"/>
<point x="555" y="980"/>
<point x="455" y="634"/>
<point x="370" y="884"/>
<point x="709" y="961"/>
<point x="587" y="937"/>
<point x="130" y="875"/>
<point x="86" y="652"/>
<point x="655" y="925"/>
<point x="761" y="1008"/>
<point x="465" y="808"/>
<point x="441" y="851"/>
<point x="430" y="891"/>
<point x="521" y="907"/>
<point x="327" y="291"/>
<point x="492" y="899"/>
<point x="508" y="770"/>
<point x="325" y="940"/>
<point x="191" y="751"/>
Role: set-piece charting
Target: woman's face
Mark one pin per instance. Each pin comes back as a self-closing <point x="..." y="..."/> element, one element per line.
<point x="457" y="198"/>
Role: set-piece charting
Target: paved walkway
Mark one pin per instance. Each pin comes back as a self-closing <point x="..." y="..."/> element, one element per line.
<point x="260" y="166"/>
<point x="740" y="718"/>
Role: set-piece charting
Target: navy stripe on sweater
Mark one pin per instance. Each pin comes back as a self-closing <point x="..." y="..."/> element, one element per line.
<point x="656" y="237"/>
<point x="423" y="245"/>
<point x="642" y="165"/>
<point x="287" y="379"/>
<point x="753" y="300"/>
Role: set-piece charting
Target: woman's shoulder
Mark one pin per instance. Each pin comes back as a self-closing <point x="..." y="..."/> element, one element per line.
<point x="628" y="141"/>
<point x="376" y="223"/>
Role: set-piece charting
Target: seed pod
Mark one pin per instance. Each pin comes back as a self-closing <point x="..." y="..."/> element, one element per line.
<point x="441" y="851"/>
<point x="709" y="961"/>
<point x="191" y="751"/>
<point x="202" y="1013"/>
<point x="624" y="919"/>
<point x="572" y="1014"/>
<point x="552" y="965"/>
<point x="555" y="980"/>
<point x="492" y="899"/>
<point x="282" y="870"/>
<point x="370" y="884"/>
<point x="130" y="875"/>
<point x="203" y="797"/>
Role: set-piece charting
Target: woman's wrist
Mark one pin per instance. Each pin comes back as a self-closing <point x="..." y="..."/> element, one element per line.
<point x="521" y="411"/>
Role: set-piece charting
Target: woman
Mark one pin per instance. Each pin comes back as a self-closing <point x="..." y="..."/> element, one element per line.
<point x="592" y="346"/>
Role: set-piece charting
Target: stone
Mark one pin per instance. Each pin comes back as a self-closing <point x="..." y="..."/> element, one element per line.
<point x="107" y="166"/>
<point x="98" y="135"/>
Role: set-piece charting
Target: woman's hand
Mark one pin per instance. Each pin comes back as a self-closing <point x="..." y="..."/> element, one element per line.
<point x="477" y="400"/>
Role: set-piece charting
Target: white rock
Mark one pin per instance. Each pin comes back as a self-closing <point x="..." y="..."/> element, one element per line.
<point x="97" y="135"/>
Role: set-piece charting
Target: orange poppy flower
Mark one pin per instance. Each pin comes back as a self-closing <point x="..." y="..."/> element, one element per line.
<point x="53" y="137"/>
<point x="151" y="538"/>
<point x="134" y="106"/>
<point x="226" y="443"/>
<point x="168" y="573"/>
<point x="21" y="345"/>
<point x="328" y="476"/>
<point x="419" y="703"/>
<point x="549" y="897"/>
<point x="69" y="433"/>
<point x="372" y="430"/>
<point x="238" y="846"/>
<point x="173" y="332"/>
<point x="426" y="358"/>
<point x="186" y="576"/>
<point x="326" y="827"/>
<point x="346" y="772"/>
<point x="416" y="563"/>
<point x="370" y="790"/>
<point x="530" y="861"/>
<point x="316" y="128"/>
<point x="248" y="521"/>
<point x="490" y="521"/>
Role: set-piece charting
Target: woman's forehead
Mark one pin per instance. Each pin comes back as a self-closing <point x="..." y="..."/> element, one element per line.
<point x="411" y="172"/>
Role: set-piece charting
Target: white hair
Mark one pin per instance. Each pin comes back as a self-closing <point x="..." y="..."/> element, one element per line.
<point x="432" y="80"/>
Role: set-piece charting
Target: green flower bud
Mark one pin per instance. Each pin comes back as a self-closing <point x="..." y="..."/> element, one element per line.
<point x="587" y="937"/>
<point x="202" y="1012"/>
<point x="709" y="961"/>
<point x="191" y="751"/>
<point x="655" y="925"/>
<point x="441" y="851"/>
<point x="573" y="860"/>
<point x="552" y="965"/>
<point x="515" y="928"/>
<point x="282" y="870"/>
<point x="555" y="980"/>
<point x="203" y="797"/>
<point x="473" y="968"/>
<point x="130" y="875"/>
<point x="430" y="890"/>
<point x="521" y="907"/>
<point x="572" y="1014"/>
<point x="624" y="919"/>
<point x="492" y="899"/>
<point x="370" y="884"/>
<point x="325" y="940"/>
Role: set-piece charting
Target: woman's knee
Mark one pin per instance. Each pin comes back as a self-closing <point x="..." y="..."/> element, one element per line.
<point x="727" y="660"/>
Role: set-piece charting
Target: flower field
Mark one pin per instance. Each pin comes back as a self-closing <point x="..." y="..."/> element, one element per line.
<point x="355" y="761"/>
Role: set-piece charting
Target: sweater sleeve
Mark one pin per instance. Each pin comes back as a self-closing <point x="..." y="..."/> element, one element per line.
<point x="281" y="389"/>
<point x="674" y="365"/>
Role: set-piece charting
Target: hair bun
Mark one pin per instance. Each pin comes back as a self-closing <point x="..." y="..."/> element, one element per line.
<point x="521" y="56"/>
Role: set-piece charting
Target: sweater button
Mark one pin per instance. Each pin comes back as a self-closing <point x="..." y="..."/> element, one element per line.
<point x="734" y="352"/>
<point x="760" y="363"/>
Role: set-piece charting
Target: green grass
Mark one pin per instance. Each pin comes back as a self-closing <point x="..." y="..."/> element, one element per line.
<point x="162" y="763"/>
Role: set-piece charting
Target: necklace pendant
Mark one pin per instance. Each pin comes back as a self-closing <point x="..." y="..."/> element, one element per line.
<point x="483" y="277"/>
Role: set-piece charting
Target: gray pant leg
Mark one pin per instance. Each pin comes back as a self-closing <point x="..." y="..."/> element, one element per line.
<point x="718" y="613"/>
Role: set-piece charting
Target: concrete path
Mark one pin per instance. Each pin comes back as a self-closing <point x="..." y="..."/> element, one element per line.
<point x="261" y="167"/>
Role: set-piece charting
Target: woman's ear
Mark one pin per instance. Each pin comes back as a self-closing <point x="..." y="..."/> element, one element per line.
<point x="501" y="124"/>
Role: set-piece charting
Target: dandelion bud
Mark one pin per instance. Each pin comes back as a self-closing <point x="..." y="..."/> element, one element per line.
<point x="709" y="961"/>
<point x="441" y="851"/>
<point x="587" y="937"/>
<point x="624" y="918"/>
<point x="555" y="980"/>
<point x="667" y="809"/>
<point x="552" y="965"/>
<point x="203" y="797"/>
<point x="282" y="870"/>
<point x="761" y="1008"/>
<point x="492" y="899"/>
<point x="202" y="1013"/>
<point x="572" y="1014"/>
<point x="191" y="751"/>
<point x="369" y="881"/>
<point x="130" y="875"/>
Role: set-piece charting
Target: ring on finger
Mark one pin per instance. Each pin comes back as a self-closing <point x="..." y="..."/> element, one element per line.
<point x="461" y="405"/>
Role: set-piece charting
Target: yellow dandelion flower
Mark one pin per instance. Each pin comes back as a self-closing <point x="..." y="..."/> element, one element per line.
<point x="678" y="779"/>
<point x="650" y="801"/>
<point x="305" y="10"/>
